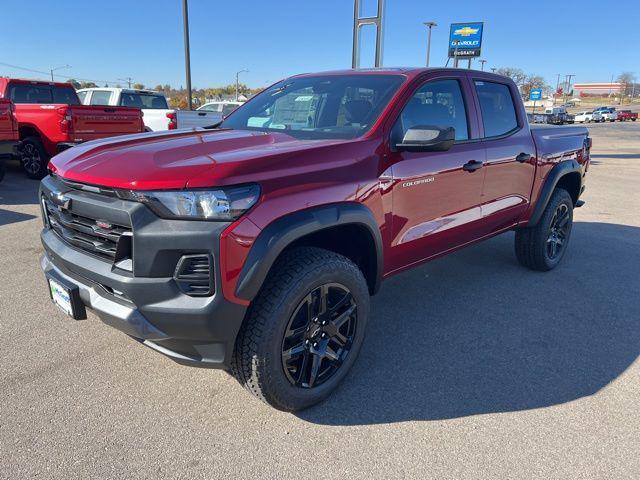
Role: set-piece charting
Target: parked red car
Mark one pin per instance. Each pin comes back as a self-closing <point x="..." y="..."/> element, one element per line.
<point x="51" y="119"/>
<point x="8" y="132"/>
<point x="255" y="246"/>
<point x="624" y="115"/>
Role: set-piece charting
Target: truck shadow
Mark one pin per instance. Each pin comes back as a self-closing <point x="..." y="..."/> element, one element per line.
<point x="475" y="333"/>
<point x="16" y="188"/>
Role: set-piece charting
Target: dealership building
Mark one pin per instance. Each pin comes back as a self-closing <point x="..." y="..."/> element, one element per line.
<point x="597" y="89"/>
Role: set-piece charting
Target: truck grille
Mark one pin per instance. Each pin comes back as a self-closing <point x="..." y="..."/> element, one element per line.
<point x="100" y="238"/>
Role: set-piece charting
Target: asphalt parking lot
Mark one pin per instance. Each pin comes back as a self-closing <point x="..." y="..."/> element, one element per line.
<point x="473" y="368"/>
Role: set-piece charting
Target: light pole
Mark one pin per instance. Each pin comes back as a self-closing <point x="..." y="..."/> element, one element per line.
<point x="51" y="70"/>
<point x="187" y="56"/>
<point x="237" y="85"/>
<point x="493" y="69"/>
<point x="568" y="78"/>
<point x="429" y="25"/>
<point x="482" y="62"/>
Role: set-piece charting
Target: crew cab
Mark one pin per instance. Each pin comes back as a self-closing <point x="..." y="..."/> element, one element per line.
<point x="624" y="115"/>
<point x="608" y="113"/>
<point x="255" y="246"/>
<point x="51" y="119"/>
<point x="586" y="117"/>
<point x="224" y="107"/>
<point x="157" y="114"/>
<point x="8" y="132"/>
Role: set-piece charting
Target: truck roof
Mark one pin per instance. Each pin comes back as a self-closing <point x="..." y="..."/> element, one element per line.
<point x="406" y="71"/>
<point x="120" y="90"/>
<point x="6" y="80"/>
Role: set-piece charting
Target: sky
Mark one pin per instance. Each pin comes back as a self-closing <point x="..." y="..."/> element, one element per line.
<point x="143" y="39"/>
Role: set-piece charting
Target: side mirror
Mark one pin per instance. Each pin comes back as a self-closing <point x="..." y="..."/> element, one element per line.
<point x="427" y="138"/>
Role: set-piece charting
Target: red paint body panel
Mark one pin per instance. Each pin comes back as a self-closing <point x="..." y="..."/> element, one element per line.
<point x="8" y="122"/>
<point x="425" y="204"/>
<point x="57" y="124"/>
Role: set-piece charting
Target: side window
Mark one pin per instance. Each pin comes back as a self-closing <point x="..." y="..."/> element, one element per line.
<point x="438" y="103"/>
<point x="81" y="96"/>
<point x="498" y="111"/>
<point x="100" y="97"/>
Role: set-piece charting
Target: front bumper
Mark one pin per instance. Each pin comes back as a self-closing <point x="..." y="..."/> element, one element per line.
<point x="147" y="303"/>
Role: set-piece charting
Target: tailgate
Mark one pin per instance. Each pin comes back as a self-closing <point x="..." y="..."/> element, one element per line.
<point x="91" y="121"/>
<point x="196" y="118"/>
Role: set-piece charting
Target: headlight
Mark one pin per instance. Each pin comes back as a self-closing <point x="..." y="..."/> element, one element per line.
<point x="225" y="203"/>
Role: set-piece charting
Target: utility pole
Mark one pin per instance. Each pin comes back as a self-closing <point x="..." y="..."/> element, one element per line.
<point x="237" y="83"/>
<point x="568" y="80"/>
<point x="187" y="55"/>
<point x="429" y="25"/>
<point x="482" y="62"/>
<point x="556" y="92"/>
<point x="129" y="80"/>
<point x="493" y="69"/>
<point x="51" y="70"/>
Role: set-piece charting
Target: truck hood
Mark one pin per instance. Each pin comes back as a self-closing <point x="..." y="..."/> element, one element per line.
<point x="179" y="159"/>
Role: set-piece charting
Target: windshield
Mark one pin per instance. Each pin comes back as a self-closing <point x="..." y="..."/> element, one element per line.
<point x="143" y="100"/>
<point x="322" y="107"/>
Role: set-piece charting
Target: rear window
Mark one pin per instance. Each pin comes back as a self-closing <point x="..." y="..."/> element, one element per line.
<point x="27" y="93"/>
<point x="100" y="97"/>
<point x="497" y="107"/>
<point x="143" y="100"/>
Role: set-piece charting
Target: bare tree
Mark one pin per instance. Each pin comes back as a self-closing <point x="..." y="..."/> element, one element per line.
<point x="629" y="80"/>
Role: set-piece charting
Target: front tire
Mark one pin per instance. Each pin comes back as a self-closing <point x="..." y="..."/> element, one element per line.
<point x="34" y="158"/>
<point x="304" y="330"/>
<point x="542" y="247"/>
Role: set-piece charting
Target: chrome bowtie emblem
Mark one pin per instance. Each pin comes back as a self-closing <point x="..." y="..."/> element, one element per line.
<point x="60" y="200"/>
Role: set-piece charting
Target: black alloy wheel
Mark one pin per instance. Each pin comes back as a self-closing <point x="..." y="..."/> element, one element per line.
<point x="319" y="335"/>
<point x="558" y="231"/>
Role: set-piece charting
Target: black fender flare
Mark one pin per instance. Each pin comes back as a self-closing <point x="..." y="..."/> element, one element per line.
<point x="560" y="170"/>
<point x="282" y="232"/>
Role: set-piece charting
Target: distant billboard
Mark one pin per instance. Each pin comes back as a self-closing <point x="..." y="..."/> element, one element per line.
<point x="465" y="39"/>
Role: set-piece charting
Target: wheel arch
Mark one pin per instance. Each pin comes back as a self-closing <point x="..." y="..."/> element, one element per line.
<point x="323" y="227"/>
<point x="566" y="175"/>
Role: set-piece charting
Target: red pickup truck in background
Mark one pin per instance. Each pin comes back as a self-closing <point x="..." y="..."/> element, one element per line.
<point x="255" y="246"/>
<point x="8" y="132"/>
<point x="51" y="118"/>
<point x="624" y="115"/>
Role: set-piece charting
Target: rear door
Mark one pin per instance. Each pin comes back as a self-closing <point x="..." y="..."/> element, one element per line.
<point x="436" y="201"/>
<point x="510" y="153"/>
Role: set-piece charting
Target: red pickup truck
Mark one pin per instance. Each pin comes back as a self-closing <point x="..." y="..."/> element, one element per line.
<point x="624" y="115"/>
<point x="8" y="132"/>
<point x="255" y="246"/>
<point x="51" y="119"/>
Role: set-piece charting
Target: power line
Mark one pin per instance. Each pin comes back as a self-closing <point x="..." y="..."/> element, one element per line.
<point x="17" y="67"/>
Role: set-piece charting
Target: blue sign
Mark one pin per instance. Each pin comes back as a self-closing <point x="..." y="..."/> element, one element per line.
<point x="465" y="39"/>
<point x="535" y="94"/>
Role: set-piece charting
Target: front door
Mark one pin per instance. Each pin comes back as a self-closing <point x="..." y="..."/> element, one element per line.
<point x="435" y="195"/>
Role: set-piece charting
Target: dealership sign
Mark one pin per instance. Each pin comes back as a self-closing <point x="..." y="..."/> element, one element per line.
<point x="535" y="94"/>
<point x="465" y="39"/>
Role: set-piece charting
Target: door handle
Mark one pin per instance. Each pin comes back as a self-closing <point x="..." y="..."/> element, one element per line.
<point x="523" y="157"/>
<point x="472" y="166"/>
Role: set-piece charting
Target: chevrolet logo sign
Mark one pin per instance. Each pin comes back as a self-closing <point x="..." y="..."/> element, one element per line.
<point x="465" y="31"/>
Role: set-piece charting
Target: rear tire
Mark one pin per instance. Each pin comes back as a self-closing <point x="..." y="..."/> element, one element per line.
<point x="275" y="363"/>
<point x="542" y="247"/>
<point x="34" y="158"/>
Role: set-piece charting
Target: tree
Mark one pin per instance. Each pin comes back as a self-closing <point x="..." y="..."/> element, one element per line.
<point x="524" y="81"/>
<point x="515" y="74"/>
<point x="74" y="82"/>
<point x="138" y="86"/>
<point x="629" y="80"/>
<point x="87" y="85"/>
